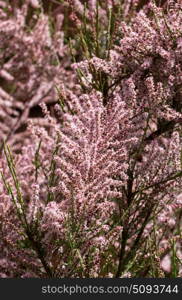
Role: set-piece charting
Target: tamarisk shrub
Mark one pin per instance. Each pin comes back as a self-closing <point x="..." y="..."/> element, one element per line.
<point x="34" y="61"/>
<point x="95" y="189"/>
<point x="72" y="208"/>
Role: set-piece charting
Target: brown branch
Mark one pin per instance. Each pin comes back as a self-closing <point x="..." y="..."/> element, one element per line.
<point x="38" y="249"/>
